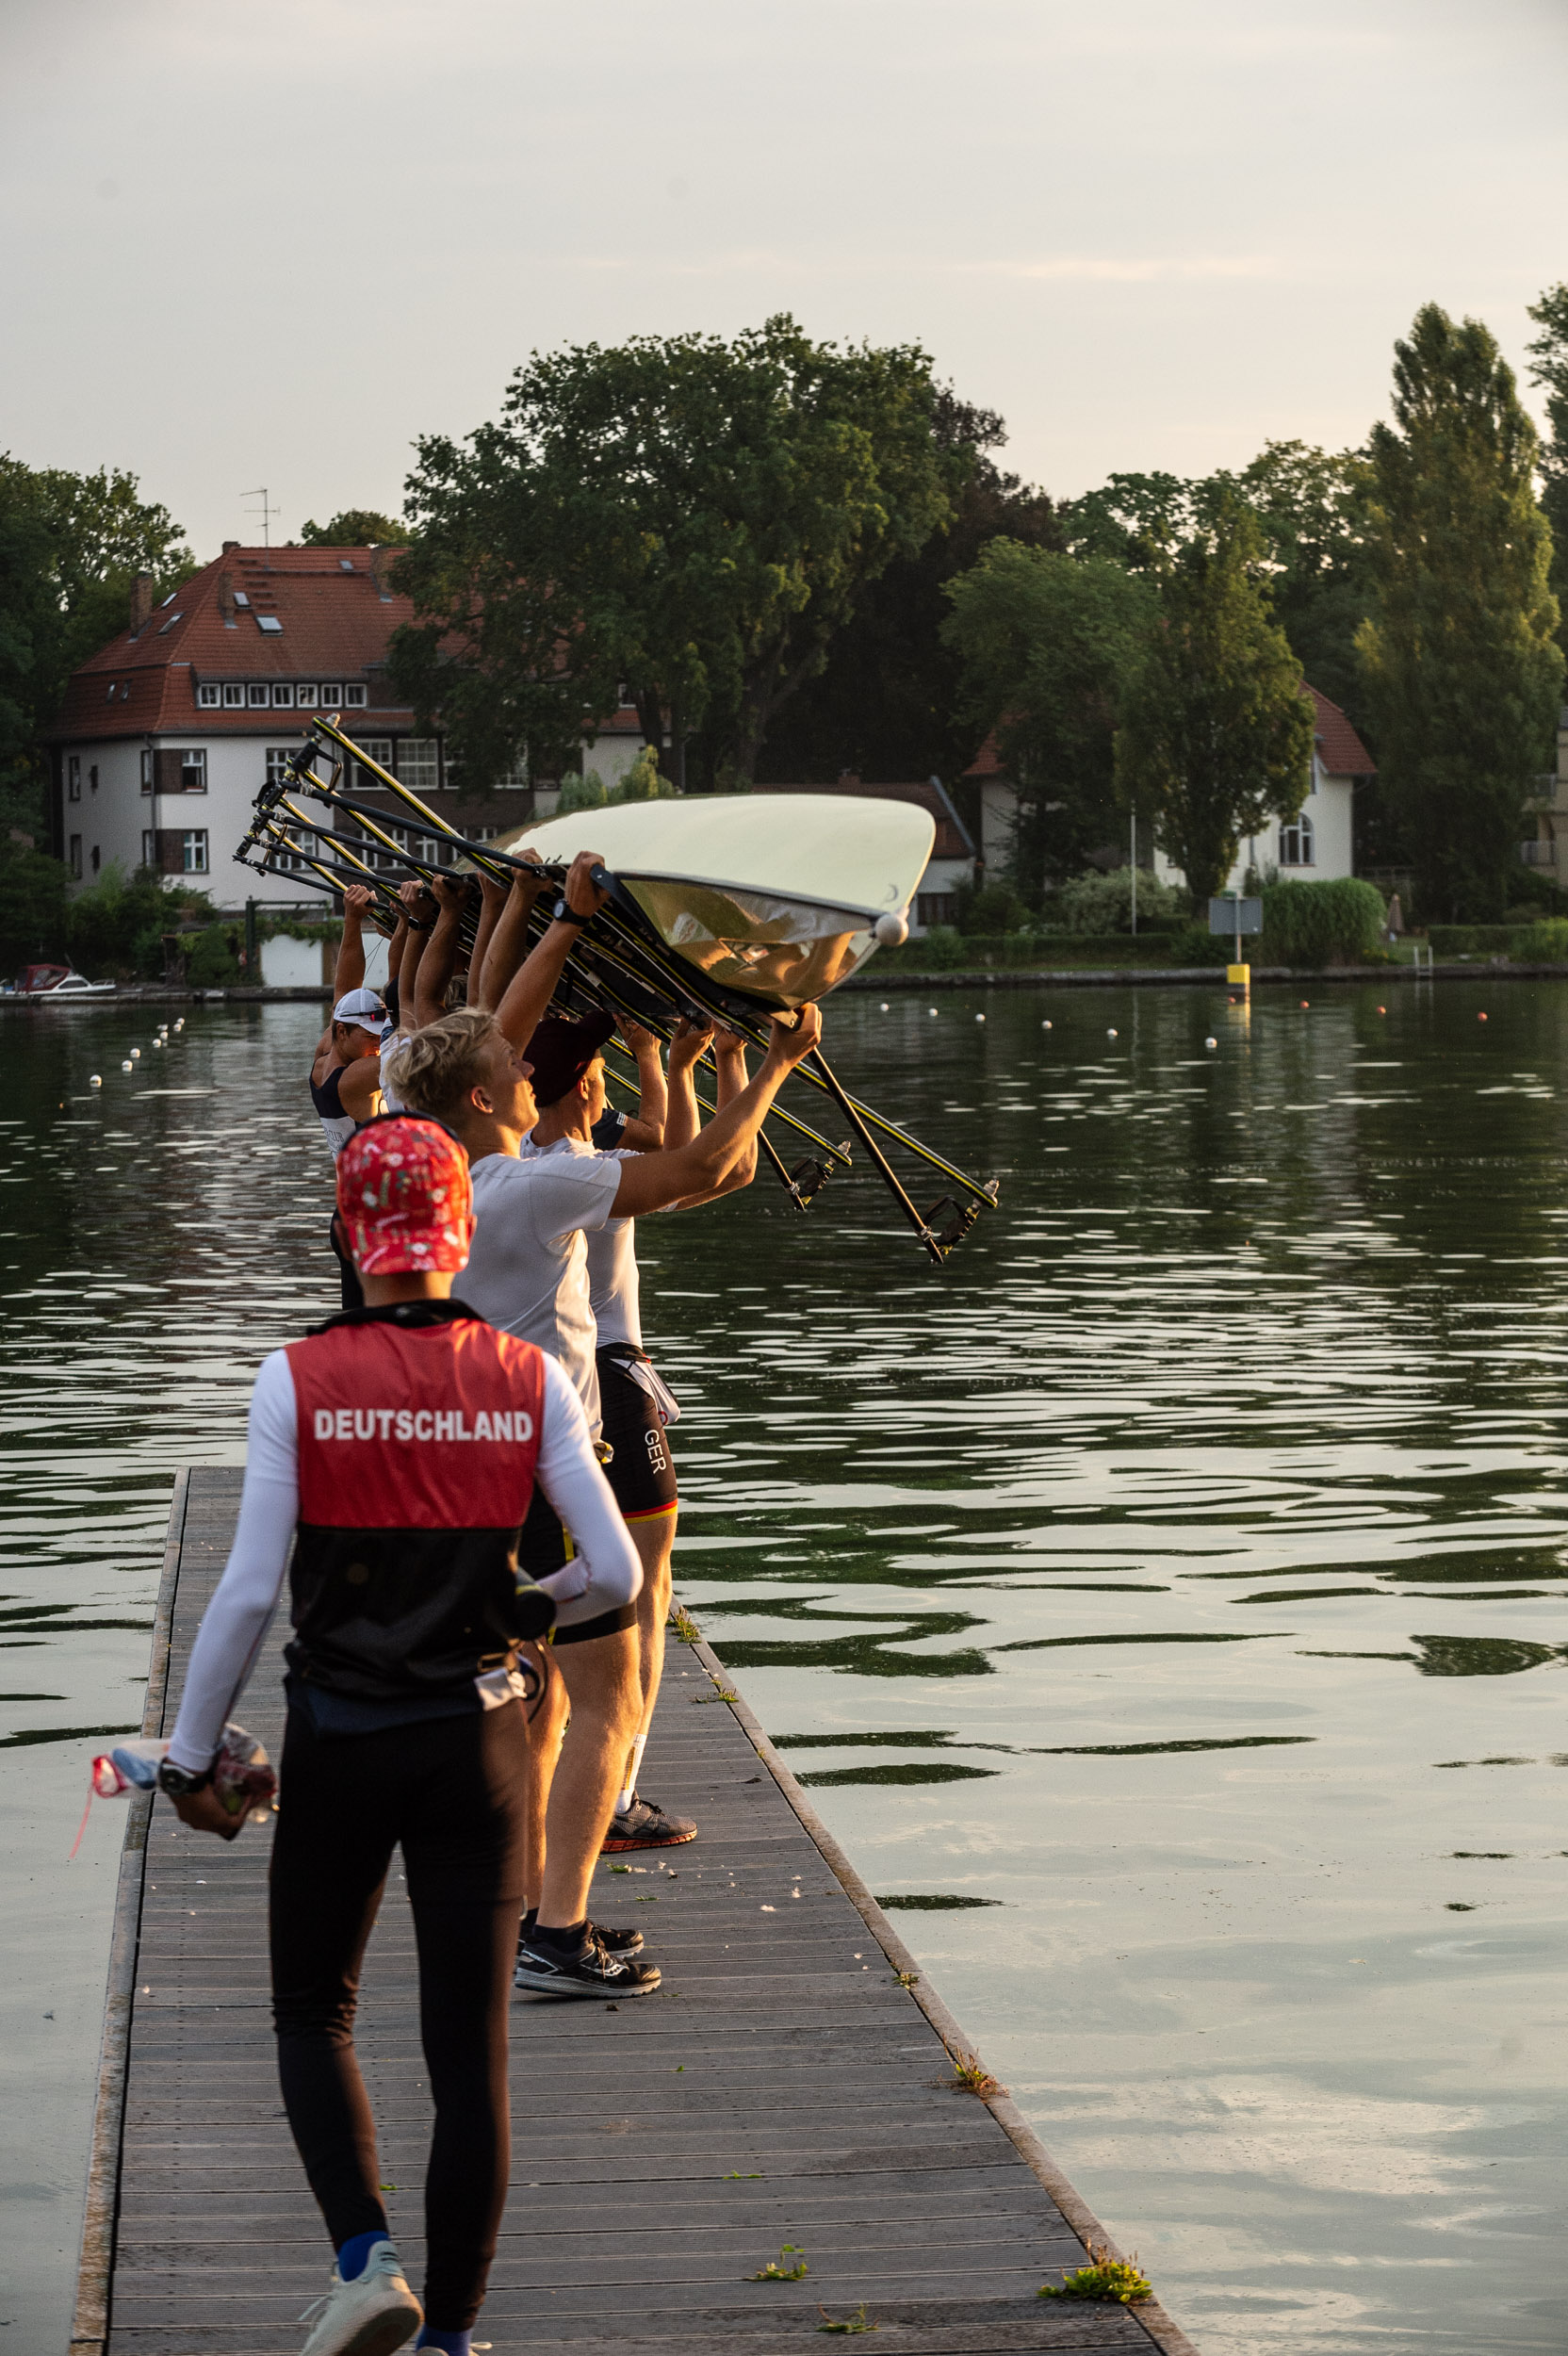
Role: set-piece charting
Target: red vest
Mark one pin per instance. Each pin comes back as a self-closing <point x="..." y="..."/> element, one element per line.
<point x="418" y="1433"/>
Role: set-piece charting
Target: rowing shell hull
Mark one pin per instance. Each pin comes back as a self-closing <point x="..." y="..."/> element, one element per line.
<point x="775" y="895"/>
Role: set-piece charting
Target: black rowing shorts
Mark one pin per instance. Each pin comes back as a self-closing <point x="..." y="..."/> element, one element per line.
<point x="544" y="1547"/>
<point x="642" y="1470"/>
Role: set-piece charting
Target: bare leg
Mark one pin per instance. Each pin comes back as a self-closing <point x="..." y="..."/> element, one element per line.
<point x="654" y="1540"/>
<point x="605" y="1694"/>
<point x="547" y="1730"/>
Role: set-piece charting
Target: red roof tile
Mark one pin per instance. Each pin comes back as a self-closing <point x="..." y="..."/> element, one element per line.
<point x="952" y="836"/>
<point x="1339" y="748"/>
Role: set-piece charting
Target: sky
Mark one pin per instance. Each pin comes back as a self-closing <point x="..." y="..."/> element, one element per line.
<point x="272" y="242"/>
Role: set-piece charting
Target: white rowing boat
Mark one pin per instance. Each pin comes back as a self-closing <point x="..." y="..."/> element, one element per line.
<point x="782" y="897"/>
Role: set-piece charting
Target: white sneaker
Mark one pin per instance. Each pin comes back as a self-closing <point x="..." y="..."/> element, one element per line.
<point x="369" y="2316"/>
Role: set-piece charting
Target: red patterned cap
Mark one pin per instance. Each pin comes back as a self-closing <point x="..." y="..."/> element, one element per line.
<point x="404" y="1196"/>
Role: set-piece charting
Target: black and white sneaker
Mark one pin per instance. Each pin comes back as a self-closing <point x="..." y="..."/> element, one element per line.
<point x="647" y="1825"/>
<point x="544" y="1971"/>
<point x="615" y="1942"/>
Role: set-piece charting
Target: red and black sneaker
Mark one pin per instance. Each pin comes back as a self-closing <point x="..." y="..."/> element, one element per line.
<point x="646" y="1825"/>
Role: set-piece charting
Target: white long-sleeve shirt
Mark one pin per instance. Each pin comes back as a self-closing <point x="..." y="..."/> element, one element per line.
<point x="603" y="1574"/>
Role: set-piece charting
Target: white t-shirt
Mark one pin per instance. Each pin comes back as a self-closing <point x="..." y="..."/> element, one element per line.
<point x="603" y="1574"/>
<point x="613" y="1281"/>
<point x="389" y="1046"/>
<point x="527" y="1266"/>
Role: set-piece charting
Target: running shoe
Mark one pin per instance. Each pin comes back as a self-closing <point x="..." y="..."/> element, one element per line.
<point x="541" y="1971"/>
<point x="615" y="1942"/>
<point x="646" y="1825"/>
<point x="369" y="2316"/>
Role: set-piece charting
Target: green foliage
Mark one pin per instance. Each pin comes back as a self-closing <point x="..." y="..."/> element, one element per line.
<point x="1105" y="2277"/>
<point x="777" y="2271"/>
<point x="1321" y="924"/>
<point x="1545" y="943"/>
<point x="1046" y="644"/>
<point x="117" y="927"/>
<point x="644" y="782"/>
<point x="887" y="704"/>
<point x="70" y="548"/>
<point x="212" y="962"/>
<point x="354" y="528"/>
<point x="691" y="518"/>
<point x="32" y="906"/>
<point x="1462" y="669"/>
<point x="990" y="908"/>
<point x="1099" y="902"/>
<point x="1549" y="370"/>
<point x="581" y="789"/>
<point x="942" y="949"/>
<point x="1217" y="733"/>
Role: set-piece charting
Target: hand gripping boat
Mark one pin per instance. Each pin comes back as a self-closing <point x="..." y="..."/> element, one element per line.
<point x="728" y="907"/>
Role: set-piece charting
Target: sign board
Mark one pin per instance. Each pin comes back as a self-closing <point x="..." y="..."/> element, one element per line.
<point x="1235" y="916"/>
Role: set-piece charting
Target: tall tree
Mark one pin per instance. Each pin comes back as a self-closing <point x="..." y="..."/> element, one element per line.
<point x="887" y="703"/>
<point x="354" y="528"/>
<point x="1463" y="668"/>
<point x="1217" y="733"/>
<point x="1549" y="370"/>
<point x="691" y="518"/>
<point x="70" y="548"/>
<point x="1045" y="643"/>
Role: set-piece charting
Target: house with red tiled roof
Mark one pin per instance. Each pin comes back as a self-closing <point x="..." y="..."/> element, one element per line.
<point x="1318" y="842"/>
<point x="166" y="734"/>
<point x="952" y="861"/>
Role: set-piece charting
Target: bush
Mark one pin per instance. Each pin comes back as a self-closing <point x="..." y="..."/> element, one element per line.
<point x="1545" y="943"/>
<point x="213" y="961"/>
<point x="1099" y="903"/>
<point x="1472" y="940"/>
<point x="990" y="908"/>
<point x="32" y="908"/>
<point x="1321" y="924"/>
<point x="118" y="927"/>
<point x="943" y="949"/>
<point x="1196" y="945"/>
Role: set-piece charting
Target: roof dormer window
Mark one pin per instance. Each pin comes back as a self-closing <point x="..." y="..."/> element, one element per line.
<point x="171" y="597"/>
<point x="271" y="624"/>
<point x="282" y="691"/>
<point x="243" y="601"/>
<point x="332" y="694"/>
<point x="304" y="696"/>
<point x="207" y="696"/>
<point x="345" y="563"/>
<point x="109" y="697"/>
<point x="256" y="694"/>
<point x="233" y="695"/>
<point x="171" y="622"/>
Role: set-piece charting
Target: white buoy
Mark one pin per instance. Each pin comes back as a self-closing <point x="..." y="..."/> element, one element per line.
<point x="979" y="1017"/>
<point x="892" y="931"/>
<point x="1211" y="1042"/>
<point x="1047" y="1026"/>
<point x="96" y="1081"/>
<point x="136" y="1054"/>
<point x="127" y="1067"/>
<point x="884" y="1005"/>
<point x="1113" y="1034"/>
<point x="930" y="1009"/>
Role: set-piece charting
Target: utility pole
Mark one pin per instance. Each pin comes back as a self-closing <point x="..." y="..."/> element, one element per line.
<point x="1134" y="868"/>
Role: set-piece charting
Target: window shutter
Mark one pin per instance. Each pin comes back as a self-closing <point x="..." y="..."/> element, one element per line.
<point x="166" y="772"/>
<point x="170" y="847"/>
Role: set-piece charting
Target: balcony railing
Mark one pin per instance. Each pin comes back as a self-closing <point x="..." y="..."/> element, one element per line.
<point x="1539" y="852"/>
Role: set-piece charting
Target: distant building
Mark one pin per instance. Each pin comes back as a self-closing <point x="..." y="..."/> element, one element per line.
<point x="1547" y="847"/>
<point x="952" y="861"/>
<point x="164" y="736"/>
<point x="1318" y="844"/>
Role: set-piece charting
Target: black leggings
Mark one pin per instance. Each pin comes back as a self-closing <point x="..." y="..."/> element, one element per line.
<point x="452" y="1792"/>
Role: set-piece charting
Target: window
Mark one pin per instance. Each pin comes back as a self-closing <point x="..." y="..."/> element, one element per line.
<point x="377" y="748"/>
<point x="243" y="601"/>
<point x="193" y="845"/>
<point x="331" y="696"/>
<point x="256" y="694"/>
<point x="283" y="694"/>
<point x="95" y="856"/>
<point x="76" y="856"/>
<point x="146" y="770"/>
<point x="1296" y="845"/>
<point x="419" y="763"/>
<point x="935" y="907"/>
<point x="278" y="759"/>
<point x="149" y="847"/>
<point x="92" y="777"/>
<point x="74" y="777"/>
<point x="171" y="622"/>
<point x="109" y="697"/>
<point x="429" y="847"/>
<point x="233" y="695"/>
<point x="304" y="696"/>
<point x="169" y="599"/>
<point x="271" y="624"/>
<point x="355" y="696"/>
<point x="514" y="777"/>
<point x="193" y="770"/>
<point x="207" y="696"/>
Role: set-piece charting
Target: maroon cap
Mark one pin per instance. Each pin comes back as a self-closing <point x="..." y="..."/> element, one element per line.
<point x="561" y="1052"/>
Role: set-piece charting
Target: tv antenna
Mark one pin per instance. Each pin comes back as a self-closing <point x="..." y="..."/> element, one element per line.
<point x="269" y="514"/>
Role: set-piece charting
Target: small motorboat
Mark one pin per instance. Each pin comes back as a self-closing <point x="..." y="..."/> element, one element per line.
<point x="781" y="898"/>
<point x="70" y="986"/>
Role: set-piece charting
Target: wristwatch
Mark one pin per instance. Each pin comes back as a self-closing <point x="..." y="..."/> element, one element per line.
<point x="564" y="915"/>
<point x="180" y="1782"/>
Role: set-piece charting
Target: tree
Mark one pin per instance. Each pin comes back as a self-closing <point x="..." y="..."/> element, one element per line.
<point x="1217" y="733"/>
<point x="1549" y="370"/>
<point x="887" y="701"/>
<point x="1045" y="643"/>
<point x="70" y="548"/>
<point x="354" y="528"/>
<point x="689" y="519"/>
<point x="1462" y="669"/>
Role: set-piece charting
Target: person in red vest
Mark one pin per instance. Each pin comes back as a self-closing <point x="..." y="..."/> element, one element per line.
<point x="394" y="1450"/>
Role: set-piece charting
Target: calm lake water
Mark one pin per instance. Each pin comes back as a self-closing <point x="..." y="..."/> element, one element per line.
<point x="1168" y="1593"/>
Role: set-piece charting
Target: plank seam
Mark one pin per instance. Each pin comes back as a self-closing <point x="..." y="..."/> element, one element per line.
<point x="90" y="2328"/>
<point x="1162" y="2329"/>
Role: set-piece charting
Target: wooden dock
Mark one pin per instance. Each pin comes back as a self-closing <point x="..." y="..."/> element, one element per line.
<point x="784" y="2086"/>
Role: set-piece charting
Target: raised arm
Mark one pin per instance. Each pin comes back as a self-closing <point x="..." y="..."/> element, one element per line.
<point x="652" y="1182"/>
<point x="508" y="940"/>
<point x="687" y="1049"/>
<point x="529" y="991"/>
<point x="647" y="1132"/>
<point x="437" y="965"/>
<point x="492" y="898"/>
<point x="348" y="973"/>
<point x="420" y="908"/>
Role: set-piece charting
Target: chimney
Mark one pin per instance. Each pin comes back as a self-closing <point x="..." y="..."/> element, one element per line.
<point x="228" y="545"/>
<point x="380" y="560"/>
<point x="225" y="596"/>
<point x="141" y="602"/>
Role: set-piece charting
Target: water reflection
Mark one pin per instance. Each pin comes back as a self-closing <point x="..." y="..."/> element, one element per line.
<point x="1268" y="1334"/>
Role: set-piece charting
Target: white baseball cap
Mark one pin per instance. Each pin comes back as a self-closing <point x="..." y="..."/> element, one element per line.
<point x="362" y="1008"/>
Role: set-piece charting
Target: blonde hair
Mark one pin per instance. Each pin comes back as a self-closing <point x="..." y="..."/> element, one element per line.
<point x="435" y="1070"/>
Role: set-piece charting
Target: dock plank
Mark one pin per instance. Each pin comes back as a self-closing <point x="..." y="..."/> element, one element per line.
<point x="783" y="2085"/>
